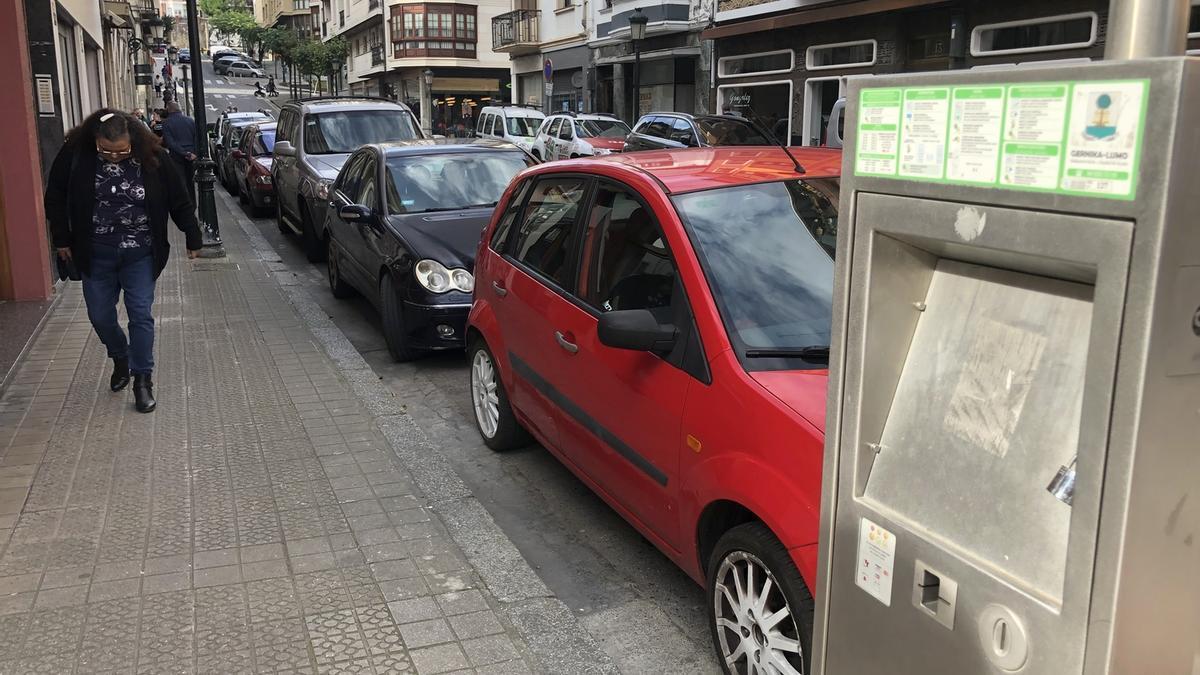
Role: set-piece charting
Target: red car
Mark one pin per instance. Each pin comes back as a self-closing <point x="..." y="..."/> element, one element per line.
<point x="660" y="322"/>
<point x="252" y="167"/>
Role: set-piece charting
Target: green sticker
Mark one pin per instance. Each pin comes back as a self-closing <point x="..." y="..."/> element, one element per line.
<point x="1076" y="138"/>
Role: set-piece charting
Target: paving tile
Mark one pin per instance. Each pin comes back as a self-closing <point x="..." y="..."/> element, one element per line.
<point x="425" y="633"/>
<point x="414" y="609"/>
<point x="475" y="624"/>
<point x="438" y="659"/>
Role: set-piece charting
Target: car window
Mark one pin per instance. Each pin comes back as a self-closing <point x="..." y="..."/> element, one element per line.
<point x="552" y="129"/>
<point x="504" y="227"/>
<point x="450" y="181"/>
<point x="264" y="142"/>
<point x="521" y="126"/>
<point x="567" y="131"/>
<point x="659" y="127"/>
<point x="602" y="128"/>
<point x="627" y="264"/>
<point x="283" y="131"/>
<point x="368" y="185"/>
<point x="348" y="181"/>
<point x="681" y="132"/>
<point x="546" y="239"/>
<point x="348" y="130"/>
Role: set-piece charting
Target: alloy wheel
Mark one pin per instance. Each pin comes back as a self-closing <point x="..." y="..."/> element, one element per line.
<point x="755" y="624"/>
<point x="483" y="393"/>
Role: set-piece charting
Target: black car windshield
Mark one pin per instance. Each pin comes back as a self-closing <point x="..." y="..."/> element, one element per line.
<point x="523" y="126"/>
<point x="767" y="252"/>
<point x="602" y="128"/>
<point x="729" y="131"/>
<point x="450" y="181"/>
<point x="348" y="130"/>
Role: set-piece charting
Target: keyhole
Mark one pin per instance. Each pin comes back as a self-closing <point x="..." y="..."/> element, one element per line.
<point x="1000" y="642"/>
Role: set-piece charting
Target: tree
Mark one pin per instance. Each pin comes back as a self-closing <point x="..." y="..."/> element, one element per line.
<point x="228" y="23"/>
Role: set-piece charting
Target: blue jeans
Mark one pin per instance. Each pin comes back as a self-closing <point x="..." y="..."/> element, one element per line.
<point x="132" y="271"/>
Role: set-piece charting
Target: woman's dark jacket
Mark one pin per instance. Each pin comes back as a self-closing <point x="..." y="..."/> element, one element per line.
<point x="71" y="199"/>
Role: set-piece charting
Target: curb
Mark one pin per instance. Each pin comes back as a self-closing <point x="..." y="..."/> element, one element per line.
<point x="557" y="641"/>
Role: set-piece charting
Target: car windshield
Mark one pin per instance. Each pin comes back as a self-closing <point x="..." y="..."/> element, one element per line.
<point x="602" y="128"/>
<point x="451" y="181"/>
<point x="523" y="126"/>
<point x="348" y="130"/>
<point x="767" y="251"/>
<point x="728" y="131"/>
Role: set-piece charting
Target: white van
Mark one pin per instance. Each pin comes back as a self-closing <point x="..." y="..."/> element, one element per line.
<point x="513" y="123"/>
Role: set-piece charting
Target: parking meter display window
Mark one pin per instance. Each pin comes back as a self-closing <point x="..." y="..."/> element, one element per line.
<point x="986" y="410"/>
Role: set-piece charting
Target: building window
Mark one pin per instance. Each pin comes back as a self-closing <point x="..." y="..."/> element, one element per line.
<point x="767" y="103"/>
<point x="1052" y="33"/>
<point x="762" y="63"/>
<point x="564" y="4"/>
<point x="859" y="54"/>
<point x="433" y="30"/>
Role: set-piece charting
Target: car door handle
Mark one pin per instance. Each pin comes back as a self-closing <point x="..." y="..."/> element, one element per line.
<point x="500" y="290"/>
<point x="564" y="343"/>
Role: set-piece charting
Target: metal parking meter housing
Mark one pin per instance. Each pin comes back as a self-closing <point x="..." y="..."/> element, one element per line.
<point x="1013" y="432"/>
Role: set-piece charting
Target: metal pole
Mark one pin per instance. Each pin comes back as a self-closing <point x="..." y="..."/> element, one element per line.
<point x="187" y="100"/>
<point x="637" y="80"/>
<point x="1140" y="29"/>
<point x="207" y="206"/>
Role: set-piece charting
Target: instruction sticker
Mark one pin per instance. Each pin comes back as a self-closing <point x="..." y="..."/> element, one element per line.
<point x="876" y="561"/>
<point x="878" y="131"/>
<point x="1077" y="138"/>
<point x="923" y="133"/>
<point x="1103" y="137"/>
<point x="976" y="116"/>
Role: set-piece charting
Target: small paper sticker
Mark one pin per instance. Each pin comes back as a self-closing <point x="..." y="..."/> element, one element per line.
<point x="876" y="560"/>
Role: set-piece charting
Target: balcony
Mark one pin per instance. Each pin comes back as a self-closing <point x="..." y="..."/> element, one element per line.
<point x="377" y="55"/>
<point x="373" y="5"/>
<point x="516" y="32"/>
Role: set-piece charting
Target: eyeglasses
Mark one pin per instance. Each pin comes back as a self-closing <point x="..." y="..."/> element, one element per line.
<point x="118" y="154"/>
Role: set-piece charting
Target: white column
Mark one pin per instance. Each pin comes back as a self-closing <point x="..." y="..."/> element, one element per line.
<point x="426" y="105"/>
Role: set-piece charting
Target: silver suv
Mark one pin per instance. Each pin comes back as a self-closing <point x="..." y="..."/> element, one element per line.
<point x="312" y="142"/>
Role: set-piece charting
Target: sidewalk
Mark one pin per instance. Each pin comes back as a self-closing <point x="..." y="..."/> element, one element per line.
<point x="277" y="513"/>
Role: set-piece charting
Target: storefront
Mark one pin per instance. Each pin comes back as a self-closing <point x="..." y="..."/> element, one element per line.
<point x="668" y="76"/>
<point x="789" y="70"/>
<point x="568" y="79"/>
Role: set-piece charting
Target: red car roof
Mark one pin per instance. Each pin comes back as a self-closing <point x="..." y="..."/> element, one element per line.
<point x="705" y="168"/>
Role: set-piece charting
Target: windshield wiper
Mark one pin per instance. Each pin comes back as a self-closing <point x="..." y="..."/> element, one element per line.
<point x="814" y="353"/>
<point x="455" y="208"/>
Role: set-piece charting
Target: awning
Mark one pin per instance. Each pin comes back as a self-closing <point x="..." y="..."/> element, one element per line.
<point x="815" y="15"/>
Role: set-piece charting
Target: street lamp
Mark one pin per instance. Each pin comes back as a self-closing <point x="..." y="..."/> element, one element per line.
<point x="157" y="27"/>
<point x="206" y="209"/>
<point x="427" y="101"/>
<point x="637" y="33"/>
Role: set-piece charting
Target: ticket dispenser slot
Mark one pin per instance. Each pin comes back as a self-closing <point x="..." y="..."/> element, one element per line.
<point x="976" y="383"/>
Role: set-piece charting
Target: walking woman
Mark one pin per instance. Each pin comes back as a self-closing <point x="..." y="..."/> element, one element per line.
<point x="108" y="196"/>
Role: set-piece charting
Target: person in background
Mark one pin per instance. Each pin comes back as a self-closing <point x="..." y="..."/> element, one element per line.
<point x="139" y="115"/>
<point x="179" y="135"/>
<point x="108" y="195"/>
<point x="156" y="121"/>
<point x="158" y="84"/>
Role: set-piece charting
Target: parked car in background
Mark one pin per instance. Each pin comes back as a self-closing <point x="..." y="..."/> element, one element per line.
<point x="658" y="131"/>
<point x="252" y="167"/>
<point x="184" y="56"/>
<point x="243" y="69"/>
<point x="568" y="135"/>
<point x="222" y="64"/>
<point x="516" y="124"/>
<point x="230" y="144"/>
<point x="314" y="138"/>
<point x="404" y="221"/>
<point x="220" y="129"/>
<point x="661" y="323"/>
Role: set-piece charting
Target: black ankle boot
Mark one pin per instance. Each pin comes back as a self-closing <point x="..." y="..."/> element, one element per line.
<point x="120" y="375"/>
<point x="143" y="393"/>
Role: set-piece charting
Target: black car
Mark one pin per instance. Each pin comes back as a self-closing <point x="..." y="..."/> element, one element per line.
<point x="404" y="220"/>
<point x="658" y="131"/>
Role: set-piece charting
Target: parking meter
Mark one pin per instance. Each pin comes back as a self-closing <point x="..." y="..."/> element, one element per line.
<point x="1012" y="471"/>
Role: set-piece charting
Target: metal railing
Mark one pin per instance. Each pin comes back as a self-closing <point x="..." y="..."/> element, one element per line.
<point x="377" y="55"/>
<point x="516" y="31"/>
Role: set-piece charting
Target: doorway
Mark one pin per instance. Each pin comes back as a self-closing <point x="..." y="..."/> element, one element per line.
<point x="820" y="93"/>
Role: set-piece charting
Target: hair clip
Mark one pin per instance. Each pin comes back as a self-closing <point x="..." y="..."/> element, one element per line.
<point x="107" y="116"/>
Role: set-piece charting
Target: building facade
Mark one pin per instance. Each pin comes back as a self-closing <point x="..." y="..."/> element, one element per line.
<point x="534" y="33"/>
<point x="786" y="62"/>
<point x="393" y="44"/>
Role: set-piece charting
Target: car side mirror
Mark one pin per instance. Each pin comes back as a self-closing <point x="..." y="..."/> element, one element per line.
<point x="356" y="213"/>
<point x="237" y="154"/>
<point x="285" y="149"/>
<point x="635" y="329"/>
